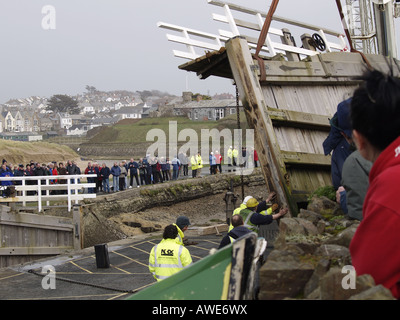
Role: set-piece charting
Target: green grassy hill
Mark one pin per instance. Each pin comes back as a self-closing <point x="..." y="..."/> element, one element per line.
<point x="16" y="152"/>
<point x="127" y="138"/>
<point x="135" y="131"/>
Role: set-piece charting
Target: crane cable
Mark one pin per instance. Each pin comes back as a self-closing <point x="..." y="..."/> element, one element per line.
<point x="240" y="142"/>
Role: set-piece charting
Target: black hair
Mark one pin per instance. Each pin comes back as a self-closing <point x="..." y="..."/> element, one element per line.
<point x="170" y="232"/>
<point x="375" y="108"/>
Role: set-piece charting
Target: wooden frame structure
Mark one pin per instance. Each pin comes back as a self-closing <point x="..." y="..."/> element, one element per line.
<point x="290" y="110"/>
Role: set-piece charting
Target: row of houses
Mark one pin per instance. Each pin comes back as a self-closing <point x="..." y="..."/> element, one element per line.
<point x="200" y="109"/>
<point x="14" y="121"/>
<point x="25" y="120"/>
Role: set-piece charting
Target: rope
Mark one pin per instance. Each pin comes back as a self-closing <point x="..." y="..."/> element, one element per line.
<point x="84" y="283"/>
<point x="263" y="37"/>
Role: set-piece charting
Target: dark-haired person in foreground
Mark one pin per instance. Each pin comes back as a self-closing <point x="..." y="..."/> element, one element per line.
<point x="375" y="114"/>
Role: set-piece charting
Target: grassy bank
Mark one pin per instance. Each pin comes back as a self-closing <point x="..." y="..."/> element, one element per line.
<point x="135" y="131"/>
<point x="16" y="152"/>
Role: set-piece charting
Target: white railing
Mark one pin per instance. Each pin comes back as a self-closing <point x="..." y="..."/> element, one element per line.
<point x="49" y="188"/>
<point x="209" y="41"/>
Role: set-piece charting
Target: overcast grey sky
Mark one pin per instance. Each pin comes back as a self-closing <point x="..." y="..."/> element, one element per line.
<point x="116" y="44"/>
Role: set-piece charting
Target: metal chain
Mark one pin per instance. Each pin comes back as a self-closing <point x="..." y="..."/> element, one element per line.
<point x="240" y="142"/>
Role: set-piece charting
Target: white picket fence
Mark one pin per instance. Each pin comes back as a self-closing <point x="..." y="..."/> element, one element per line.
<point x="237" y="26"/>
<point x="75" y="188"/>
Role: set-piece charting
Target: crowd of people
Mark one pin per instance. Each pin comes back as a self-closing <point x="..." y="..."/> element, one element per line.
<point x="33" y="169"/>
<point x="365" y="140"/>
<point x="125" y="175"/>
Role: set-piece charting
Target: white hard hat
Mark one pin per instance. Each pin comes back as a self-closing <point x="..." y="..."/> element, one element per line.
<point x="247" y="199"/>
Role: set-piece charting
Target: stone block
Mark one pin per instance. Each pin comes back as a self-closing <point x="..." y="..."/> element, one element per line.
<point x="283" y="276"/>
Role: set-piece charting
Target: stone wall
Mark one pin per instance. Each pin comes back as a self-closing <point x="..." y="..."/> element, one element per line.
<point x="311" y="258"/>
<point x="97" y="212"/>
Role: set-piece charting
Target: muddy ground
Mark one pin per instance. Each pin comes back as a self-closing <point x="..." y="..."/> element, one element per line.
<point x="205" y="211"/>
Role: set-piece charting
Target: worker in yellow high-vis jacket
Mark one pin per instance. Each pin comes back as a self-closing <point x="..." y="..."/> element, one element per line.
<point x="250" y="205"/>
<point x="199" y="164"/>
<point x="182" y="224"/>
<point x="168" y="257"/>
<point x="193" y="163"/>
<point x="235" y="154"/>
<point x="229" y="156"/>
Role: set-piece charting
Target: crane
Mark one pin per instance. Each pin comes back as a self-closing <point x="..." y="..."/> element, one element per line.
<point x="371" y="25"/>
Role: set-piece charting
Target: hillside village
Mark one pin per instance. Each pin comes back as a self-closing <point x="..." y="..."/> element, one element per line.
<point x="28" y="119"/>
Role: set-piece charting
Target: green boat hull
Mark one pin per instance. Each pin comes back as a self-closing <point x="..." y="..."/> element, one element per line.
<point x="228" y="274"/>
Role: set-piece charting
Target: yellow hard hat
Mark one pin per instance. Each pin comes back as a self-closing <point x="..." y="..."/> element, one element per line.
<point x="252" y="203"/>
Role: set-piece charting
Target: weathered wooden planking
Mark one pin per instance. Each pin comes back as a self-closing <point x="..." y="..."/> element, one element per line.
<point x="290" y="110"/>
<point x="314" y="99"/>
<point x="27" y="236"/>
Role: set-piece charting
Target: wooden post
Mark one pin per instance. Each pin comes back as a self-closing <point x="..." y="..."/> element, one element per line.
<point x="247" y="80"/>
<point x="23" y="193"/>
<point x="39" y="195"/>
<point x="47" y="192"/>
<point x="76" y="190"/>
<point x="78" y="237"/>
<point x="288" y="39"/>
<point x="306" y="40"/>
<point x="69" y="194"/>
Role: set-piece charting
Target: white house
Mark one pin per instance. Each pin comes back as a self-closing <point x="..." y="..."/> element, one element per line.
<point x="86" y="108"/>
<point x="128" y="113"/>
<point x="9" y="122"/>
<point x="118" y="105"/>
<point x="65" y="120"/>
<point x="78" y="130"/>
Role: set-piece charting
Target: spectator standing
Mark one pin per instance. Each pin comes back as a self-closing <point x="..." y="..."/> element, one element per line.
<point x="122" y="176"/>
<point x="255" y="155"/>
<point x="213" y="163"/>
<point x="133" y="172"/>
<point x="375" y="118"/>
<point x="90" y="170"/>
<point x="184" y="163"/>
<point x="164" y="169"/>
<point x="149" y="170"/>
<point x="115" y="172"/>
<point x="62" y="171"/>
<point x="337" y="141"/>
<point x="175" y="168"/>
<point x="105" y="177"/>
<point x="218" y="161"/>
<point x="142" y="172"/>
<point x="8" y="186"/>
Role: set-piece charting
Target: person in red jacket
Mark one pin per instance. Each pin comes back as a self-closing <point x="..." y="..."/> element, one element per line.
<point x="255" y="158"/>
<point x="375" y="115"/>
